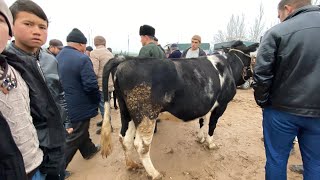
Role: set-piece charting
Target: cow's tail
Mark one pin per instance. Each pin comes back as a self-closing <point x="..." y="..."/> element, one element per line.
<point x="106" y="143"/>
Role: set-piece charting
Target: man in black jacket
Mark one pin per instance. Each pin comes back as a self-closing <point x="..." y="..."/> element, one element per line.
<point x="286" y="86"/>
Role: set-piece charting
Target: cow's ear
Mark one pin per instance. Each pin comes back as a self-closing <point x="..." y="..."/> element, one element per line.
<point x="237" y="44"/>
<point x="252" y="47"/>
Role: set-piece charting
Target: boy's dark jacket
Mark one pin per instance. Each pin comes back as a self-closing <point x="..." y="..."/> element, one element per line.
<point x="44" y="111"/>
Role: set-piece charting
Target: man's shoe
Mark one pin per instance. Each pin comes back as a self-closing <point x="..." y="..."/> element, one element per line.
<point x="99" y="124"/>
<point x="98" y="147"/>
<point x="297" y="168"/>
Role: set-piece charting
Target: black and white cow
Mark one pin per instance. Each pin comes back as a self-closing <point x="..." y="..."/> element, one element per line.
<point x="181" y="89"/>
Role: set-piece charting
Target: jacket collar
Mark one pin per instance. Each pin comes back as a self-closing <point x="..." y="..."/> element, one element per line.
<point x="22" y="52"/>
<point x="302" y="10"/>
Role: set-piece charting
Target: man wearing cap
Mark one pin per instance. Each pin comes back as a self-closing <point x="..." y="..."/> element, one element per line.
<point x="175" y="52"/>
<point x="194" y="51"/>
<point x="88" y="50"/>
<point x="55" y="46"/>
<point x="149" y="49"/>
<point x="82" y="94"/>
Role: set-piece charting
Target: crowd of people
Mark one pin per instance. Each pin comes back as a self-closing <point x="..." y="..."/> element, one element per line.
<point x="48" y="96"/>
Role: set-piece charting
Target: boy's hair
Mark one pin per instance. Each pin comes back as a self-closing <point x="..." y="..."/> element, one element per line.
<point x="27" y="6"/>
<point x="295" y="3"/>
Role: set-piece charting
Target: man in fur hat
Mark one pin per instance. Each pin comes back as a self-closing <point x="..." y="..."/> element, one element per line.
<point x="149" y="49"/>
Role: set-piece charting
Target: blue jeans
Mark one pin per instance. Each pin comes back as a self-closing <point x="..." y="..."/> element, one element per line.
<point x="38" y="176"/>
<point x="101" y="104"/>
<point x="279" y="131"/>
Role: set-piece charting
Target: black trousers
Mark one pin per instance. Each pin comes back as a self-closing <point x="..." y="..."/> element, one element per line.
<point x="80" y="140"/>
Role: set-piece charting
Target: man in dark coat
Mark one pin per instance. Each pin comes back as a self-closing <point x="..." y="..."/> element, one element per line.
<point x="82" y="94"/>
<point x="286" y="85"/>
<point x="175" y="52"/>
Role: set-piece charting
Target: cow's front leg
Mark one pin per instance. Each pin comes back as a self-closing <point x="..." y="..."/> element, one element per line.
<point x="215" y="115"/>
<point x="142" y="142"/>
<point x="127" y="145"/>
<point x="203" y="123"/>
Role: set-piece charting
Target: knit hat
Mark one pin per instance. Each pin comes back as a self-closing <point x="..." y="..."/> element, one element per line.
<point x="4" y="10"/>
<point x="147" y="30"/>
<point x="76" y="36"/>
<point x="56" y="43"/>
<point x="196" y="37"/>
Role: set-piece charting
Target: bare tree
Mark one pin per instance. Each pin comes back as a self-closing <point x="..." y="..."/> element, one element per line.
<point x="258" y="27"/>
<point x="235" y="30"/>
<point x="315" y="2"/>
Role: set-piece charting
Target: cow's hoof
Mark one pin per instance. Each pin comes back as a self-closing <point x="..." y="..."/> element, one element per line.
<point x="213" y="146"/>
<point x="160" y="176"/>
<point x="132" y="165"/>
<point x="201" y="140"/>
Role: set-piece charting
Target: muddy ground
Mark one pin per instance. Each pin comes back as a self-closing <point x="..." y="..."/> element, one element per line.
<point x="178" y="156"/>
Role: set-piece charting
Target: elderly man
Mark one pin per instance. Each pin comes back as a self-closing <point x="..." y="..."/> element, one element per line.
<point x="175" y="52"/>
<point x="82" y="94"/>
<point x="286" y="87"/>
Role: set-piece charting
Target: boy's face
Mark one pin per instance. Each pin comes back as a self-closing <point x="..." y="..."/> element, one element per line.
<point x="30" y="31"/>
<point x="4" y="33"/>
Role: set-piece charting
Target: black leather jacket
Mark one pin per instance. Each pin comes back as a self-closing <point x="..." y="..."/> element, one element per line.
<point x="287" y="70"/>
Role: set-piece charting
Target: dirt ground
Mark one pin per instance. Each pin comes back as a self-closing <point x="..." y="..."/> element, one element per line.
<point x="177" y="155"/>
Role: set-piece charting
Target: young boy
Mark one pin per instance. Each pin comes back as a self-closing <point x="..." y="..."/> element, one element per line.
<point x="20" y="155"/>
<point x="30" y="25"/>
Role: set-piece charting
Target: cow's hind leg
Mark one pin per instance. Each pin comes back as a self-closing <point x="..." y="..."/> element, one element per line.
<point x="215" y="115"/>
<point x="127" y="134"/>
<point x="142" y="142"/>
<point x="127" y="145"/>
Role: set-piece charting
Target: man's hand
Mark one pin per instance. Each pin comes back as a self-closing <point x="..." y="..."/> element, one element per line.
<point x="69" y="130"/>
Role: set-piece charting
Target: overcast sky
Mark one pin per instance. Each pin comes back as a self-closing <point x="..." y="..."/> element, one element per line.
<point x="174" y="21"/>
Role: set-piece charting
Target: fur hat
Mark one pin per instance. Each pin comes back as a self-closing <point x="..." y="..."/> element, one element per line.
<point x="147" y="30"/>
<point x="4" y="10"/>
<point x="76" y="36"/>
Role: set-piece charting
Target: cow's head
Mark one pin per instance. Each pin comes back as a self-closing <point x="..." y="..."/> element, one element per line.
<point x="242" y="52"/>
